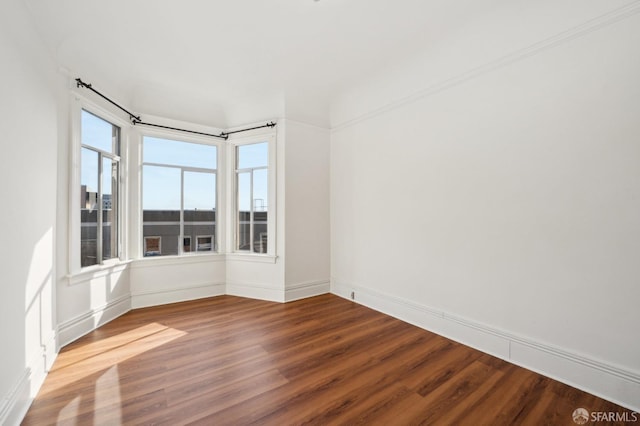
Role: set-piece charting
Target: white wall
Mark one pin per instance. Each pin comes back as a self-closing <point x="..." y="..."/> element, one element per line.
<point x="306" y="210"/>
<point x="28" y="121"/>
<point x="158" y="281"/>
<point x="503" y="208"/>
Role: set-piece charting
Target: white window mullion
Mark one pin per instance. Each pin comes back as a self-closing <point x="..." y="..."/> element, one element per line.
<point x="251" y="208"/>
<point x="181" y="236"/>
<point x="237" y="214"/>
<point x="99" y="211"/>
<point x="217" y="217"/>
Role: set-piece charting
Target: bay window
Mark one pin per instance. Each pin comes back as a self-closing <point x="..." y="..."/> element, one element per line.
<point x="174" y="181"/>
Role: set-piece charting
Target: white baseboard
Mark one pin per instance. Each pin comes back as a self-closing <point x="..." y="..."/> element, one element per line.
<point x="77" y="327"/>
<point x="596" y="377"/>
<point x="14" y="406"/>
<point x="163" y="297"/>
<point x="256" y="291"/>
<point x="306" y="289"/>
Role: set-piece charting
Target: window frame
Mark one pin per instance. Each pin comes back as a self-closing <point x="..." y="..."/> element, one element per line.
<point x="232" y="174"/>
<point x="102" y="155"/>
<point x="79" y="104"/>
<point x="219" y="224"/>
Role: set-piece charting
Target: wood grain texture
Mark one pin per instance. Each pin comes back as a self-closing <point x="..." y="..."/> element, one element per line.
<point x="322" y="360"/>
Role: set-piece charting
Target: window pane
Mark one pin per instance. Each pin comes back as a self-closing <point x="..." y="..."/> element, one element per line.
<point x="99" y="133"/>
<point x="176" y="153"/>
<point x="160" y="210"/>
<point x="89" y="178"/>
<point x="109" y="209"/>
<point x="254" y="155"/>
<point x="243" y="238"/>
<point x="199" y="191"/>
<point x="88" y="207"/>
<point x="160" y="188"/>
<point x="260" y="209"/>
<point x="199" y="211"/>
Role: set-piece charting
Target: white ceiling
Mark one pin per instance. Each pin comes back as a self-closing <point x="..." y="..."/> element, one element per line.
<point x="225" y="63"/>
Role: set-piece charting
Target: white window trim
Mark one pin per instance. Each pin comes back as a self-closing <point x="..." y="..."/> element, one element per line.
<point x="77" y="104"/>
<point x="251" y="257"/>
<point x="155" y="261"/>
<point x="232" y="205"/>
<point x="96" y="271"/>
<point x="220" y="186"/>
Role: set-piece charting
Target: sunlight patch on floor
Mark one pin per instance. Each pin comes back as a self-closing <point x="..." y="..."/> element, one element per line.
<point x="70" y="411"/>
<point x="107" y="394"/>
<point x="82" y="362"/>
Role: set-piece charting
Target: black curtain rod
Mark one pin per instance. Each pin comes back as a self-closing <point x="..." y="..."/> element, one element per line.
<point x="135" y="119"/>
<point x="272" y="124"/>
<point x="80" y="83"/>
<point x="221" y="136"/>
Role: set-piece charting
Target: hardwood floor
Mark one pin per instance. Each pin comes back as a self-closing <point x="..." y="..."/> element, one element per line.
<point x="323" y="360"/>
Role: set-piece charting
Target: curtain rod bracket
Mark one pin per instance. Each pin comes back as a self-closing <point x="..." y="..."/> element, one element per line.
<point x="271" y="124"/>
<point x="81" y="83"/>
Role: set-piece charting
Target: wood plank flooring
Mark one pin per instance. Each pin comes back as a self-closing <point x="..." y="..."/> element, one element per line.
<point x="323" y="360"/>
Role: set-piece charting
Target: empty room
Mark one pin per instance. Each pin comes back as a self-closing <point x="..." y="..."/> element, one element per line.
<point x="320" y="212"/>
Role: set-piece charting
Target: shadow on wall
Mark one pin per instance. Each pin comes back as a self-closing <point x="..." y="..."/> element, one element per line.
<point x="27" y="327"/>
<point x="39" y="314"/>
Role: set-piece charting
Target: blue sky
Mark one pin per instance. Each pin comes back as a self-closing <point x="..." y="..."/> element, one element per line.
<point x="161" y="185"/>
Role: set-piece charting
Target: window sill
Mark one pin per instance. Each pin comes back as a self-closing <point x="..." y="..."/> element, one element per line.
<point x="252" y="257"/>
<point x="97" y="271"/>
<point x="153" y="261"/>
